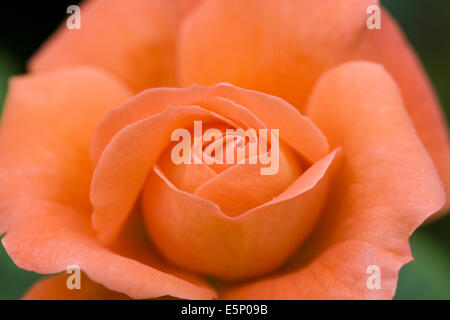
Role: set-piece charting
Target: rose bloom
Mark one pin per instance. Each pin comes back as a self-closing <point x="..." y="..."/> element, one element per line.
<point x="85" y="147"/>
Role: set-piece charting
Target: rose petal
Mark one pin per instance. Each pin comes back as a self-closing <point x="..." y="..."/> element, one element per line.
<point x="192" y="232"/>
<point x="45" y="172"/>
<point x="298" y="47"/>
<point x="186" y="177"/>
<point x="152" y="102"/>
<point x="276" y="47"/>
<point x="60" y="237"/>
<point x="134" y="39"/>
<point x="297" y="130"/>
<point x="131" y="153"/>
<point x="339" y="273"/>
<point x="282" y="49"/>
<point x="47" y="126"/>
<point x="243" y="187"/>
<point x="125" y="163"/>
<point x="387" y="187"/>
<point x="55" y="288"/>
<point x="389" y="47"/>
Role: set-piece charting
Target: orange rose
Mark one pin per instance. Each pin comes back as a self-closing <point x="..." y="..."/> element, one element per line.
<point x="88" y="176"/>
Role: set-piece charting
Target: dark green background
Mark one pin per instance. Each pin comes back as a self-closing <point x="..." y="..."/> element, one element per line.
<point x="427" y="24"/>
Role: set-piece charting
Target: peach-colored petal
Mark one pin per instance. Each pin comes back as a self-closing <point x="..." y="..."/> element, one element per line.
<point x="389" y="47"/>
<point x="47" y="126"/>
<point x="134" y="39"/>
<point x="146" y="104"/>
<point x="339" y="273"/>
<point x="276" y="47"/>
<point x="298" y="131"/>
<point x="243" y="187"/>
<point x="125" y="163"/>
<point x="251" y="107"/>
<point x="134" y="243"/>
<point x="386" y="188"/>
<point x="45" y="172"/>
<point x="55" y="288"/>
<point x="282" y="49"/>
<point x="127" y="146"/>
<point x="192" y="232"/>
<point x="154" y="101"/>
<point x="186" y="177"/>
<point x="59" y="237"/>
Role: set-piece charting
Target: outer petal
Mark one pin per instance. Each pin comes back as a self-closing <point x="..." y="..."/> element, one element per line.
<point x="46" y="132"/>
<point x="387" y="188"/>
<point x="339" y="273"/>
<point x="272" y="46"/>
<point x="389" y="47"/>
<point x="55" y="288"/>
<point x="134" y="39"/>
<point x="47" y="126"/>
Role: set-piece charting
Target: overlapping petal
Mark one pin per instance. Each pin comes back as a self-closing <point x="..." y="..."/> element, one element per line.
<point x="386" y="188"/>
<point x="272" y="46"/>
<point x="127" y="161"/>
<point x="389" y="47"/>
<point x="243" y="187"/>
<point x="257" y="109"/>
<point x="132" y="137"/>
<point x="194" y="233"/>
<point x="283" y="47"/>
<point x="47" y="126"/>
<point x="46" y="171"/>
<point x="55" y="288"/>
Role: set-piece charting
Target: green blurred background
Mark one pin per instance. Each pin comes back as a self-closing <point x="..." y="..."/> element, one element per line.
<point x="25" y="25"/>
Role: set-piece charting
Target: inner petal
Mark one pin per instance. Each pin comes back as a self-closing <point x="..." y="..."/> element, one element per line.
<point x="194" y="233"/>
<point x="243" y="187"/>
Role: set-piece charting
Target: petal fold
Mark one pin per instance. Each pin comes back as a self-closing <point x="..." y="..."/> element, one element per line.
<point x="132" y="137"/>
<point x="387" y="186"/>
<point x="253" y="108"/>
<point x="55" y="288"/>
<point x="46" y="171"/>
<point x="390" y="48"/>
<point x="283" y="49"/>
<point x="195" y="234"/>
<point x="47" y="128"/>
<point x="125" y="163"/>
